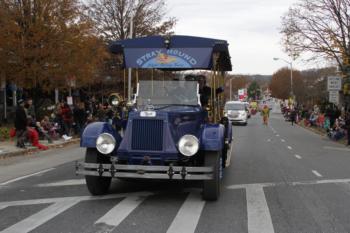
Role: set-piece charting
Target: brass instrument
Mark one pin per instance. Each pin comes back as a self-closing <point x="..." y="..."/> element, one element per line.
<point x="115" y="99"/>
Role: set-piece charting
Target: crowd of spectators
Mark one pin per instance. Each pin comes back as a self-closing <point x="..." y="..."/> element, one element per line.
<point x="61" y="121"/>
<point x="334" y="121"/>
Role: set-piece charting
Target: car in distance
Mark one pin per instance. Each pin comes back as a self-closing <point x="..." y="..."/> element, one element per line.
<point x="236" y="112"/>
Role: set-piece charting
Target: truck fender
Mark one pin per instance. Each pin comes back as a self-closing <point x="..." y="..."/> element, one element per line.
<point x="213" y="137"/>
<point x="93" y="130"/>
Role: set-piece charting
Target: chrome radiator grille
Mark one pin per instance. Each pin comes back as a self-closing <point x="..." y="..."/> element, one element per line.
<point x="147" y="135"/>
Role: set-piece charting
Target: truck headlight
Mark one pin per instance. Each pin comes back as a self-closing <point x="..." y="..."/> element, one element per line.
<point x="105" y="143"/>
<point x="188" y="145"/>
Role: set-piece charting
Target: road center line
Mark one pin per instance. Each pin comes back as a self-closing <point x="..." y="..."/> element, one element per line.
<point x="26" y="176"/>
<point x="188" y="215"/>
<point x="298" y="156"/>
<point x="282" y="140"/>
<point x="316" y="173"/>
<point x="259" y="218"/>
<point x="277" y="135"/>
<point x="119" y="212"/>
<point x="289" y="147"/>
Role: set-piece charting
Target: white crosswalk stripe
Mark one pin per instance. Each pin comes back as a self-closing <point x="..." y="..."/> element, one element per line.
<point x="259" y="218"/>
<point x="64" y="183"/>
<point x="41" y="217"/>
<point x="119" y="212"/>
<point x="187" y="217"/>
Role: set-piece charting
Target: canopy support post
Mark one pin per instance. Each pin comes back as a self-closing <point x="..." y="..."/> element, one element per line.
<point x="137" y="76"/>
<point x="152" y="76"/>
<point x="124" y="73"/>
<point x="215" y="107"/>
<point x="129" y="84"/>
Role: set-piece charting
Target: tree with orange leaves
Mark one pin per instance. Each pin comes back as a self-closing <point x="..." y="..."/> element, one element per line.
<point x="280" y="84"/>
<point x="44" y="42"/>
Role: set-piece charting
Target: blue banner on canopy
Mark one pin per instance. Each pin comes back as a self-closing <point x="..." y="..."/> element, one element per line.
<point x="161" y="58"/>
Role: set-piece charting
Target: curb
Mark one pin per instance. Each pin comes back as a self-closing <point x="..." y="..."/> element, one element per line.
<point x="35" y="150"/>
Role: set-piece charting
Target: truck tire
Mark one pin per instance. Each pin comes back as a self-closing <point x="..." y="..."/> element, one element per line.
<point x="211" y="188"/>
<point x="97" y="185"/>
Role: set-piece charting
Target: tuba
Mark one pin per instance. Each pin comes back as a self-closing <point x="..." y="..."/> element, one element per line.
<point x="115" y="100"/>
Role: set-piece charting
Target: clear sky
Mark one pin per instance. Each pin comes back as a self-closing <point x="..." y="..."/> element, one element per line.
<point x="251" y="27"/>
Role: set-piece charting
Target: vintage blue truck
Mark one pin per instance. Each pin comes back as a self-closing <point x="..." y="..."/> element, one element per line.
<point x="169" y="133"/>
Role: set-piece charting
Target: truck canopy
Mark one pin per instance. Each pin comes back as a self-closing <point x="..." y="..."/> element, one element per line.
<point x="173" y="53"/>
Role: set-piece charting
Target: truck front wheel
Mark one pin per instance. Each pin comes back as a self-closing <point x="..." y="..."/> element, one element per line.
<point x="211" y="188"/>
<point x="97" y="185"/>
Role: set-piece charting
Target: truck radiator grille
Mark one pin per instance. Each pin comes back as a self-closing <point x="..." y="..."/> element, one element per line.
<point x="147" y="135"/>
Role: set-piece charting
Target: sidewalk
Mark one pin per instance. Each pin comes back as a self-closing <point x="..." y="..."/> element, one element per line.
<point x="8" y="148"/>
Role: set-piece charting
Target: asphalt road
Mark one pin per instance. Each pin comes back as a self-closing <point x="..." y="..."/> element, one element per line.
<point x="282" y="178"/>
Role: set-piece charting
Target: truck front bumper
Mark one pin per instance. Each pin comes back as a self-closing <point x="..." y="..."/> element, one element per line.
<point x="144" y="171"/>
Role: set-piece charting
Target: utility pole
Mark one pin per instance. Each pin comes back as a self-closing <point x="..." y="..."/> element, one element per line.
<point x="231" y="89"/>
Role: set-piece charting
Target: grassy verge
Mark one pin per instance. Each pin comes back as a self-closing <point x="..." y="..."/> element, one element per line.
<point x="4" y="133"/>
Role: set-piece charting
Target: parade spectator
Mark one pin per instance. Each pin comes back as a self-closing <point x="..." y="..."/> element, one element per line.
<point x="89" y="119"/>
<point x="57" y="119"/>
<point x="79" y="115"/>
<point x="293" y="115"/>
<point x="91" y="106"/>
<point x="109" y="114"/>
<point x="30" y="109"/>
<point x="44" y="133"/>
<point x="67" y="118"/>
<point x="33" y="137"/>
<point x="101" y="113"/>
<point x="321" y="120"/>
<point x="20" y="124"/>
<point x="336" y="132"/>
<point x="313" y="119"/>
<point x="48" y="126"/>
<point x="347" y="126"/>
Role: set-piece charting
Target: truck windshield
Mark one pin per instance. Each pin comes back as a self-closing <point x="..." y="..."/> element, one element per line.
<point x="163" y="93"/>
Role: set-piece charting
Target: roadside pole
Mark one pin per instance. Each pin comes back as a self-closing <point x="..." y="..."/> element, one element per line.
<point x="56" y="95"/>
<point x="3" y="89"/>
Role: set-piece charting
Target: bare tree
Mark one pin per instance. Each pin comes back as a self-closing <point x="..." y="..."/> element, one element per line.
<point x="321" y="27"/>
<point x="112" y="18"/>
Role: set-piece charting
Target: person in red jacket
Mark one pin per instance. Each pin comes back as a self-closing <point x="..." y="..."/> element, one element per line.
<point x="67" y="117"/>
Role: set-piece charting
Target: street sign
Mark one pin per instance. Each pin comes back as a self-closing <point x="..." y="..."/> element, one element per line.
<point x="334" y="83"/>
<point x="334" y="97"/>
